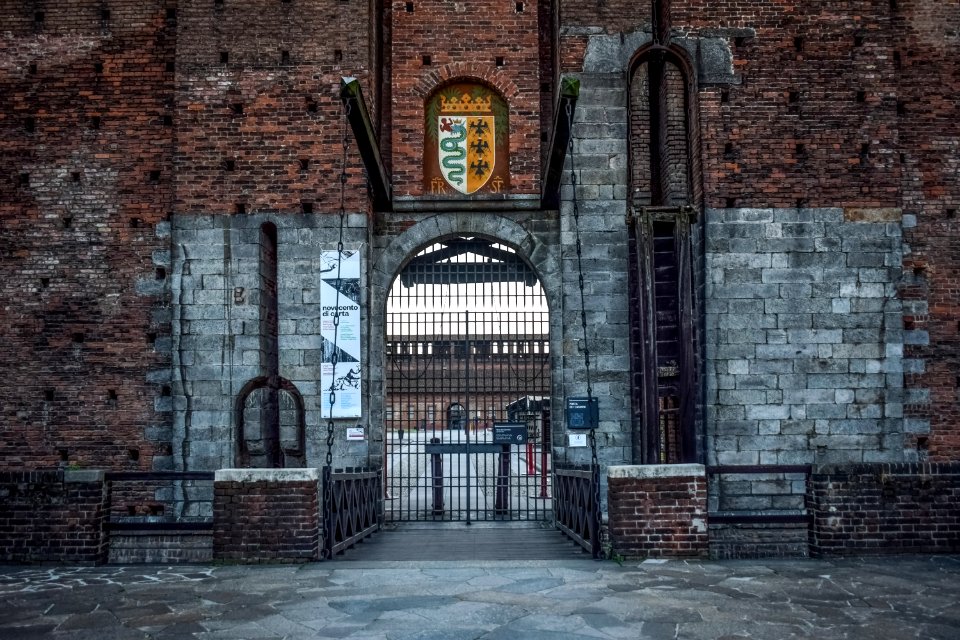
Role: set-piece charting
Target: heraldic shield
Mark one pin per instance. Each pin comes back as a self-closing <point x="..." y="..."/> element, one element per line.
<point x="466" y="142"/>
<point x="467" y="151"/>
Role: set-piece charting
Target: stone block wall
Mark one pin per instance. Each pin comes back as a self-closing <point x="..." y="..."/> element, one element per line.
<point x="804" y="337"/>
<point x="53" y="516"/>
<point x="216" y="343"/>
<point x="266" y="515"/>
<point x="658" y="510"/>
<point x="885" y="508"/>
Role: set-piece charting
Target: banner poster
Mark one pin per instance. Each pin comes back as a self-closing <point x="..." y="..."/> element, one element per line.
<point x="346" y="378"/>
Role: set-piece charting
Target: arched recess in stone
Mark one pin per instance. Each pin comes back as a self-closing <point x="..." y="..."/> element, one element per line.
<point x="665" y="168"/>
<point x="665" y="241"/>
<point x="258" y="404"/>
<point x="543" y="258"/>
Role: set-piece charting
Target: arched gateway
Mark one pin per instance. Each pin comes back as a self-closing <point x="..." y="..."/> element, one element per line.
<point x="467" y="386"/>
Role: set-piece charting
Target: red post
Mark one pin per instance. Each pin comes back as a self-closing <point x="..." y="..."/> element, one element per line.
<point x="531" y="465"/>
<point x="543" y="472"/>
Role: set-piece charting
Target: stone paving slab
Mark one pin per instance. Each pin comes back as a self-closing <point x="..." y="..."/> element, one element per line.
<point x="859" y="599"/>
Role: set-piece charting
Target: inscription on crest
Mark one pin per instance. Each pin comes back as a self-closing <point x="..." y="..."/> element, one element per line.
<point x="466" y="142"/>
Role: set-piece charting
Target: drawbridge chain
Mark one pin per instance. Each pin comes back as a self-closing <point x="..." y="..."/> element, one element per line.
<point x="594" y="462"/>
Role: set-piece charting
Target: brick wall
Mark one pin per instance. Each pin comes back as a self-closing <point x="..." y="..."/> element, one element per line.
<point x="924" y="52"/>
<point x="53" y="516"/>
<point x="657" y="510"/>
<point x="465" y="40"/>
<point x="266" y="515"/>
<point x="885" y="508"/>
<point x="812" y="105"/>
<point x="259" y="120"/>
<point x="86" y="159"/>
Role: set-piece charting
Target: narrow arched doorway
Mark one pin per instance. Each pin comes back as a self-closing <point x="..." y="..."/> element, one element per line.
<point x="467" y="365"/>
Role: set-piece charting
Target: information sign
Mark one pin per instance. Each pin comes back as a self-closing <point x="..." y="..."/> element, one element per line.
<point x="509" y="433"/>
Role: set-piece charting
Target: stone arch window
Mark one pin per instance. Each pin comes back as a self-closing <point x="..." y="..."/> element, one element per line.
<point x="466" y="140"/>
<point x="664" y="240"/>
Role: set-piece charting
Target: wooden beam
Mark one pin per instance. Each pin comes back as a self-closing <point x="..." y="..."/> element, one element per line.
<point x="559" y="141"/>
<point x="362" y="126"/>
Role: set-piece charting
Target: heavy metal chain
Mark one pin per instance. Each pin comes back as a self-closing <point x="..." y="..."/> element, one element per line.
<point x="594" y="462"/>
<point x="335" y="356"/>
<point x="576" y="227"/>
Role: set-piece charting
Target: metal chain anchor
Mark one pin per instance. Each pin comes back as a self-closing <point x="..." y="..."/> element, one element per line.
<point x="335" y="355"/>
<point x="594" y="462"/>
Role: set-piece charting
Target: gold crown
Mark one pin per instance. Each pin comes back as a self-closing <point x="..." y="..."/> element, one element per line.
<point x="465" y="104"/>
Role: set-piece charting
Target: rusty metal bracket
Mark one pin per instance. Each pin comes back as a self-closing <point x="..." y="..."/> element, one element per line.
<point x="559" y="142"/>
<point x="362" y="126"/>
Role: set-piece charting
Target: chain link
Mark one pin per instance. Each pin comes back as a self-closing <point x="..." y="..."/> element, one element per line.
<point x="335" y="355"/>
<point x="594" y="462"/>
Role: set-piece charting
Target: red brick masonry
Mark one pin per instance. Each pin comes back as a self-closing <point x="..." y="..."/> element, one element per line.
<point x="53" y="516"/>
<point x="266" y="515"/>
<point x="885" y="508"/>
<point x="658" y="510"/>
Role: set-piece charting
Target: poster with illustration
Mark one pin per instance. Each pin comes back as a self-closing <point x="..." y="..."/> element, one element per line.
<point x="340" y="299"/>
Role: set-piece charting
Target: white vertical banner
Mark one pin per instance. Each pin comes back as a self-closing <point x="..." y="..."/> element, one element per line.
<point x="346" y="378"/>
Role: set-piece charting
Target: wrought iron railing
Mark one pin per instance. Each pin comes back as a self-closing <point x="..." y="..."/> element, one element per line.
<point x="160" y="500"/>
<point x="354" y="507"/>
<point x="575" y="506"/>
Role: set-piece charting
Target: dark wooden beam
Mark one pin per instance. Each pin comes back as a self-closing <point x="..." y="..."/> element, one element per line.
<point x="559" y="142"/>
<point x="362" y="126"/>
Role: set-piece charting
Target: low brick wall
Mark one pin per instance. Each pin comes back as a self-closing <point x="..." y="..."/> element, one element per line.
<point x="266" y="515"/>
<point x="885" y="508"/>
<point x="169" y="547"/>
<point x="658" y="510"/>
<point x="53" y="516"/>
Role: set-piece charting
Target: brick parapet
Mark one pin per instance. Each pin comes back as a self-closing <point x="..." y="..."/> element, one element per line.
<point x="885" y="509"/>
<point x="658" y="514"/>
<point x="53" y="516"/>
<point x="267" y="520"/>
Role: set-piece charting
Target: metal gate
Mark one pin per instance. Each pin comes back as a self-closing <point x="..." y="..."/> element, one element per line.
<point x="467" y="350"/>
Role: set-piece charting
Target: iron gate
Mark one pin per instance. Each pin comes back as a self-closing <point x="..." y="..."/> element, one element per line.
<point x="467" y="347"/>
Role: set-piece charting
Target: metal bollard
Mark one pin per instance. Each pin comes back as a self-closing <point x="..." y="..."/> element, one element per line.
<point x="436" y="467"/>
<point x="502" y="499"/>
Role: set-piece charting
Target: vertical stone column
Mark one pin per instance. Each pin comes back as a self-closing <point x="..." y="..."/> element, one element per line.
<point x="658" y="510"/>
<point x="266" y="515"/>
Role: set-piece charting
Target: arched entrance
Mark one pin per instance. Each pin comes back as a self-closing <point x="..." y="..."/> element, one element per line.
<point x="467" y="381"/>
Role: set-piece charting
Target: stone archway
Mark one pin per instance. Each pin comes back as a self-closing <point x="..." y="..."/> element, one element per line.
<point x="543" y="257"/>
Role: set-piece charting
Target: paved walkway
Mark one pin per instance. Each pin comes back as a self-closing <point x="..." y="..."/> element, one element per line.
<point x="876" y="599"/>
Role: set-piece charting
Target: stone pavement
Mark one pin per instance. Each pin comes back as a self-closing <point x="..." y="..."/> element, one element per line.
<point x="872" y="599"/>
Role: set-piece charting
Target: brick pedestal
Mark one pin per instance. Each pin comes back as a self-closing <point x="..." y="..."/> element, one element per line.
<point x="53" y="516"/>
<point x="266" y="515"/>
<point x="658" y="510"/>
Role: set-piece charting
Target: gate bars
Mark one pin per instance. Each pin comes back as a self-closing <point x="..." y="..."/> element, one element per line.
<point x="467" y="346"/>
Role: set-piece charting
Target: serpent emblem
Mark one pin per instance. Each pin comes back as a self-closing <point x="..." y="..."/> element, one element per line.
<point x="456" y="162"/>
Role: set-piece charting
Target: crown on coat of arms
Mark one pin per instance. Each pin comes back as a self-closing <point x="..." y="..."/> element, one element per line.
<point x="465" y="104"/>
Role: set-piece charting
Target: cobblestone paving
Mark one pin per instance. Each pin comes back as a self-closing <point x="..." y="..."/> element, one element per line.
<point x="874" y="599"/>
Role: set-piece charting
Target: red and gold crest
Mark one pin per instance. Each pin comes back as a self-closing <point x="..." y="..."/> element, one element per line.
<point x="466" y="142"/>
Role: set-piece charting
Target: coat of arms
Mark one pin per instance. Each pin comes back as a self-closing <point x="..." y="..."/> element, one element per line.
<point x="466" y="137"/>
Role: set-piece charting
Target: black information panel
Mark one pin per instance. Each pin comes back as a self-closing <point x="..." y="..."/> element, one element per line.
<point x="509" y="433"/>
<point x="582" y="413"/>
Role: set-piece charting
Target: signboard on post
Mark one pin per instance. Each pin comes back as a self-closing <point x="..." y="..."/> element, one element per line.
<point x="509" y="433"/>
